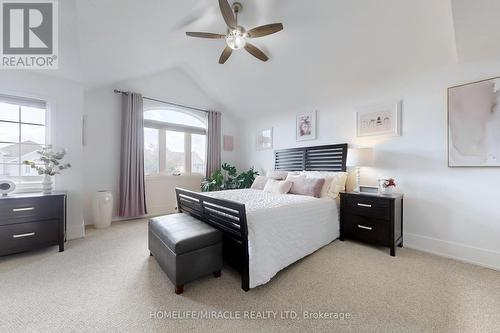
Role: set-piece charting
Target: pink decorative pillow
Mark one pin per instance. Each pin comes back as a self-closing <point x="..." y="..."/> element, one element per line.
<point x="277" y="186"/>
<point x="308" y="186"/>
<point x="259" y="183"/>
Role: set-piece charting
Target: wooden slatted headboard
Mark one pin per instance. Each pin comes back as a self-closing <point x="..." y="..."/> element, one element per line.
<point x="318" y="158"/>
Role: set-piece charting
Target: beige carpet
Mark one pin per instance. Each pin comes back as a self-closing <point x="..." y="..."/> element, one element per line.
<point x="107" y="282"/>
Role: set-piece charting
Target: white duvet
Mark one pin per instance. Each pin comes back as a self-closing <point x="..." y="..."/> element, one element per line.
<point x="283" y="228"/>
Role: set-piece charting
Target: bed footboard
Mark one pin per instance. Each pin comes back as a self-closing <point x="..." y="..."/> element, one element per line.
<point x="227" y="216"/>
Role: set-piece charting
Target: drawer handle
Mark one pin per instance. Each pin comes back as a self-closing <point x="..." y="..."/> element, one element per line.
<point x="364" y="227"/>
<point x="30" y="234"/>
<point x="364" y="205"/>
<point x="27" y="209"/>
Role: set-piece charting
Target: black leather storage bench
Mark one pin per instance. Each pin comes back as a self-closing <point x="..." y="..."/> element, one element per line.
<point x="185" y="248"/>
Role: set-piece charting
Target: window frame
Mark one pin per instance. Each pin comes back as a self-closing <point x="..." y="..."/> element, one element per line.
<point x="19" y="102"/>
<point x="163" y="127"/>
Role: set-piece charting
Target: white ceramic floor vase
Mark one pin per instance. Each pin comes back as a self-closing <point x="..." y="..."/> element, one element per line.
<point x="102" y="207"/>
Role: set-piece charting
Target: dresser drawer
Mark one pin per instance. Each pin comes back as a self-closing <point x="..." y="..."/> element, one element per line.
<point x="366" y="229"/>
<point x="30" y="209"/>
<point x="368" y="207"/>
<point x="26" y="236"/>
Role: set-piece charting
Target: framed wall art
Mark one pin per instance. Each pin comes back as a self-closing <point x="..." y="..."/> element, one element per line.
<point x="306" y="126"/>
<point x="228" y="143"/>
<point x="474" y="124"/>
<point x="379" y="120"/>
<point x="264" y="139"/>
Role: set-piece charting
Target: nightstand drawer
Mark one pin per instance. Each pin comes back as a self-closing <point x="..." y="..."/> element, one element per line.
<point x="369" y="207"/>
<point x="25" y="236"/>
<point x="366" y="229"/>
<point x="29" y="209"/>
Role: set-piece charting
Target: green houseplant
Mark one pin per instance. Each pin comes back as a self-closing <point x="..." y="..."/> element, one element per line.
<point x="49" y="165"/>
<point x="229" y="179"/>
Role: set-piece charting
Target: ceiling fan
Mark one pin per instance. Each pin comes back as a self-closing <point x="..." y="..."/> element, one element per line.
<point x="237" y="37"/>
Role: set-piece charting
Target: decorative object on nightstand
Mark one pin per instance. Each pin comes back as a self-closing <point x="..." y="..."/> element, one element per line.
<point x="372" y="218"/>
<point x="359" y="157"/>
<point x="6" y="187"/>
<point x="369" y="189"/>
<point x="387" y="186"/>
<point x="52" y="166"/>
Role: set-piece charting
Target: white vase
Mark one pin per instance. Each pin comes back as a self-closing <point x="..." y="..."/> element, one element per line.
<point x="388" y="190"/>
<point x="47" y="184"/>
<point x="102" y="207"/>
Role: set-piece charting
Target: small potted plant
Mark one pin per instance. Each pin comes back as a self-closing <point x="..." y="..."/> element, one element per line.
<point x="51" y="166"/>
<point x="387" y="186"/>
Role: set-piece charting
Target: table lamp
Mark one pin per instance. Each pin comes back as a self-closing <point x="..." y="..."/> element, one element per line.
<point x="359" y="157"/>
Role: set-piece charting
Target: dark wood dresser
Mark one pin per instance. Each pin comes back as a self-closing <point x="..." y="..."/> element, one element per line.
<point x="372" y="218"/>
<point x="29" y="221"/>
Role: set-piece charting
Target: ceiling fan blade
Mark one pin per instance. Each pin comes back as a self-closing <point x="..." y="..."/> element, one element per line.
<point x="265" y="30"/>
<point x="225" y="55"/>
<point x="256" y="52"/>
<point x="227" y="13"/>
<point x="205" y="35"/>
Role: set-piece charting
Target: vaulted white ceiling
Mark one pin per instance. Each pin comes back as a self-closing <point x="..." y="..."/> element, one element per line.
<point x="326" y="45"/>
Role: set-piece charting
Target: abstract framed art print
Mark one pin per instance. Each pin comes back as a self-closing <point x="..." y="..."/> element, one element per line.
<point x="474" y="124"/>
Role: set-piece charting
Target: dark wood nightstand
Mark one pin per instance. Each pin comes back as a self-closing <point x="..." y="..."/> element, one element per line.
<point x="372" y="218"/>
<point x="29" y="221"/>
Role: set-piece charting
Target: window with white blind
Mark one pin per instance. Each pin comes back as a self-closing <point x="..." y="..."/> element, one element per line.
<point x="23" y="131"/>
<point x="174" y="141"/>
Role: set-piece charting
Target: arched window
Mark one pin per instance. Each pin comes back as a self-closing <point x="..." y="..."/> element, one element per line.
<point x="174" y="141"/>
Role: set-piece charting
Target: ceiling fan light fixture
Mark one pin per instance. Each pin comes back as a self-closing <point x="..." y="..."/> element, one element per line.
<point x="236" y="39"/>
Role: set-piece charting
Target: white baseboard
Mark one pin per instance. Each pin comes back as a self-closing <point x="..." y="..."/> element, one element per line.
<point x="452" y="250"/>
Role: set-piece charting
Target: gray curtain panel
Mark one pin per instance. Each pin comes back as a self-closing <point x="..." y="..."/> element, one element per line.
<point x="132" y="182"/>
<point x="213" y="142"/>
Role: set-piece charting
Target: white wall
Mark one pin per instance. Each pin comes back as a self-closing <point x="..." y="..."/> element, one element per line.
<point x="65" y="100"/>
<point x="103" y="115"/>
<point x="452" y="212"/>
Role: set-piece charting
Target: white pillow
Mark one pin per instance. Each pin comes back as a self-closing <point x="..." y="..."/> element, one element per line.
<point x="334" y="182"/>
<point x="293" y="177"/>
<point x="259" y="183"/>
<point x="277" y="174"/>
<point x="278" y="186"/>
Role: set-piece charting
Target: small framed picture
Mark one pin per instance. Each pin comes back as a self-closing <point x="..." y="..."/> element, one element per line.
<point x="379" y="120"/>
<point x="306" y="126"/>
<point x="228" y="143"/>
<point x="264" y="139"/>
<point x="368" y="189"/>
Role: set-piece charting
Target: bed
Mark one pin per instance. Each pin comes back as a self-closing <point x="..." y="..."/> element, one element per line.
<point x="265" y="232"/>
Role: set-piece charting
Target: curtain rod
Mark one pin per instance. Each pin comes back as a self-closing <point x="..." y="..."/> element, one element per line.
<point x="164" y="102"/>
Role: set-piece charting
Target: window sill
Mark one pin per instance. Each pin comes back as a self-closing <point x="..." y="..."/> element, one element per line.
<point x="159" y="176"/>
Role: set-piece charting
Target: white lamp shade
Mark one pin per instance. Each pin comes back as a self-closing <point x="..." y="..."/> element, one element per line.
<point x="360" y="157"/>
